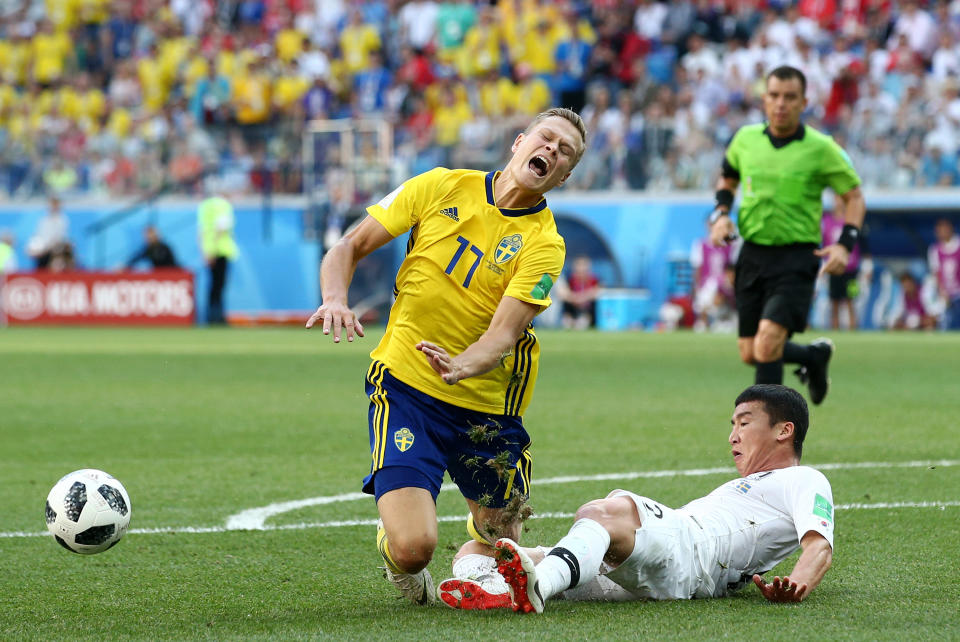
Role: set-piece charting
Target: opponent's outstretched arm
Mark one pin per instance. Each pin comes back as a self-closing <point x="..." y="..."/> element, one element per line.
<point x="806" y="575"/>
<point x="483" y="355"/>
<point x="336" y="272"/>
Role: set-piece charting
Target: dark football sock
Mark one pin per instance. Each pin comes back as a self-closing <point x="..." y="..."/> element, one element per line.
<point x="796" y="353"/>
<point x="769" y="372"/>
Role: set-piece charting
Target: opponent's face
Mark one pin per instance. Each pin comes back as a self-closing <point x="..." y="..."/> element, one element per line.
<point x="783" y="103"/>
<point x="544" y="157"/>
<point x="754" y="443"/>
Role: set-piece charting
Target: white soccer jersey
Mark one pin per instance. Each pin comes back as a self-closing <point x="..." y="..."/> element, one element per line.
<point x="751" y="524"/>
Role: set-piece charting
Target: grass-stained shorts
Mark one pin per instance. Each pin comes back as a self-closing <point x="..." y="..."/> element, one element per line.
<point x="414" y="438"/>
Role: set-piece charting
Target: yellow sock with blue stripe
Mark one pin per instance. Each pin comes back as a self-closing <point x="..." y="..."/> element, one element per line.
<point x="384" y="547"/>
<point x="475" y="533"/>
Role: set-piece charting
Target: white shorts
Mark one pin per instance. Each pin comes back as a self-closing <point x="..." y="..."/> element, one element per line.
<point x="704" y="299"/>
<point x="665" y="563"/>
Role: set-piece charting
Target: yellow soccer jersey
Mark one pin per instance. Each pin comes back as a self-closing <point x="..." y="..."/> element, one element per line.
<point x="464" y="254"/>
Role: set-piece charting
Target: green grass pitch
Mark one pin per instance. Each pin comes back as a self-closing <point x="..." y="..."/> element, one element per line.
<point x="203" y="424"/>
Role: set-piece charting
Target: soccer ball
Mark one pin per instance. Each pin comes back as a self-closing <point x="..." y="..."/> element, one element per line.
<point x="88" y="511"/>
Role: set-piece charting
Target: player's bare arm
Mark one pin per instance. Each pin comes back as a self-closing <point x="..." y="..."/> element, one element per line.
<point x="485" y="354"/>
<point x="813" y="564"/>
<point x="336" y="272"/>
<point x="837" y="255"/>
<point x="722" y="229"/>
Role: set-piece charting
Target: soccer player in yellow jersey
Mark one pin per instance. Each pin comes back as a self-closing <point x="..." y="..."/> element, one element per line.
<point x="457" y="365"/>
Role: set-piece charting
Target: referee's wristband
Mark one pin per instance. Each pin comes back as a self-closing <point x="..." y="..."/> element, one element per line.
<point x="724" y="198"/>
<point x="849" y="237"/>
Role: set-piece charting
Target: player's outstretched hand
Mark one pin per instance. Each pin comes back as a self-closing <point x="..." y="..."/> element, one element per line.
<point x="339" y="317"/>
<point x="440" y="361"/>
<point x="781" y="590"/>
<point x="835" y="258"/>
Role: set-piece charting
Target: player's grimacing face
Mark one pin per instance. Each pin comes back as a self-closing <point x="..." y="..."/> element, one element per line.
<point x="544" y="157"/>
<point x="783" y="103"/>
<point x="752" y="438"/>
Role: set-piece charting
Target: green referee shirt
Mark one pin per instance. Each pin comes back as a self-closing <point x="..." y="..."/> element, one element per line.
<point x="782" y="182"/>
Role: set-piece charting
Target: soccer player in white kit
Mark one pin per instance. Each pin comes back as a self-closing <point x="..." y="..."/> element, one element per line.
<point x="626" y="546"/>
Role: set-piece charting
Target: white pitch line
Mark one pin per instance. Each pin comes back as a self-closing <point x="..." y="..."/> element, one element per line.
<point x="255" y="518"/>
<point x="699" y="472"/>
<point x="260" y="515"/>
<point x="443" y="518"/>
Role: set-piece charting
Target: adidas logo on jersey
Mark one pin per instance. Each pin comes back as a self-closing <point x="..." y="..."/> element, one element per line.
<point x="450" y="212"/>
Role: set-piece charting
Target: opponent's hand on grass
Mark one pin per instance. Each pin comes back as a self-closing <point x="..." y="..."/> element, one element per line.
<point x="340" y="318"/>
<point x="440" y="361"/>
<point x="781" y="590"/>
<point x="835" y="259"/>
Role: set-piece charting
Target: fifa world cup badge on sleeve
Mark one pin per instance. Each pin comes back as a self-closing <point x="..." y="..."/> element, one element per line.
<point x="542" y="288"/>
<point x="823" y="508"/>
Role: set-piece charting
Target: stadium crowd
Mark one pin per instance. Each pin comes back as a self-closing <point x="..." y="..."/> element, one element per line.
<point x="118" y="96"/>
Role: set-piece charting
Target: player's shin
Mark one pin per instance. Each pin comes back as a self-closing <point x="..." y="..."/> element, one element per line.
<point x="575" y="560"/>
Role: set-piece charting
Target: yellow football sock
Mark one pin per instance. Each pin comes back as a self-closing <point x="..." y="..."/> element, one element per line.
<point x="384" y="549"/>
<point x="473" y="532"/>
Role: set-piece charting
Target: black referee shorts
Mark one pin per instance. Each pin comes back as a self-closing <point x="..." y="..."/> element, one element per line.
<point x="775" y="283"/>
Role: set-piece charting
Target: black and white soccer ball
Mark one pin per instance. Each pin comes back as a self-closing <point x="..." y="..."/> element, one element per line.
<point x="88" y="511"/>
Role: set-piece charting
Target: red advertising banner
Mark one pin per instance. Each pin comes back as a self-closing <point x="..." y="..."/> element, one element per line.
<point x="162" y="297"/>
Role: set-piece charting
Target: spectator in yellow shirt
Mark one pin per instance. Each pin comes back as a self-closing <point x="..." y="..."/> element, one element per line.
<point x="289" y="86"/>
<point x="251" y="94"/>
<point x="532" y="94"/>
<point x="49" y="51"/>
<point x="480" y="52"/>
<point x="496" y="95"/>
<point x="14" y="53"/>
<point x="62" y="14"/>
<point x="173" y="51"/>
<point x="152" y="85"/>
<point x="193" y="70"/>
<point x="357" y="40"/>
<point x="537" y="48"/>
<point x="448" y="118"/>
<point x="9" y="100"/>
<point x="80" y="102"/>
<point x="289" y="41"/>
<point x="119" y="123"/>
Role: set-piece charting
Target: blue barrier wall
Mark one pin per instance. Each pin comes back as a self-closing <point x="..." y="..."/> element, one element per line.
<point x="635" y="240"/>
<point x="276" y="268"/>
<point x="642" y="234"/>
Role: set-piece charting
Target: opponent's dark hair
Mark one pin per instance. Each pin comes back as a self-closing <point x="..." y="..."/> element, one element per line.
<point x="786" y="72"/>
<point x="781" y="404"/>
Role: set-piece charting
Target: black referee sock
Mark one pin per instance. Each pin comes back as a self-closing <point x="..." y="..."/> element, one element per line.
<point x="769" y="372"/>
<point x="796" y="353"/>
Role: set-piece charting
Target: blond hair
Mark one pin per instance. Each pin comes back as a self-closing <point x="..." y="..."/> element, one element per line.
<point x="570" y="116"/>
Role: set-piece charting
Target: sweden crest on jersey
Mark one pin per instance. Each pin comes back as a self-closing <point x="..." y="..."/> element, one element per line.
<point x="508" y="248"/>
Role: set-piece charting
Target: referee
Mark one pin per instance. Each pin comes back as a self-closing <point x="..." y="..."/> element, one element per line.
<point x="784" y="167"/>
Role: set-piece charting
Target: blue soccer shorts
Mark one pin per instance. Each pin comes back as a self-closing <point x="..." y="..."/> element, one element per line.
<point x="414" y="438"/>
